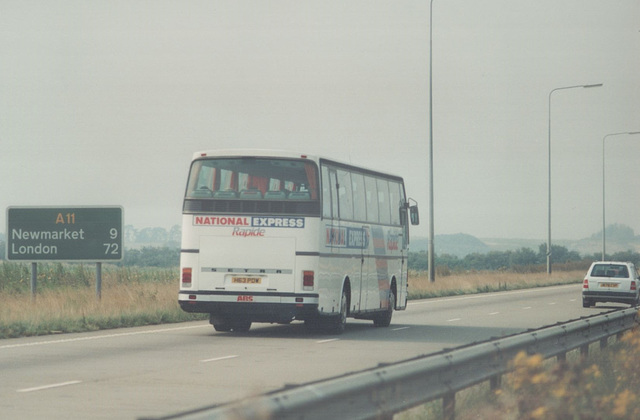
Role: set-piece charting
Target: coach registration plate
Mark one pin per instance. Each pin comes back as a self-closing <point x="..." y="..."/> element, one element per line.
<point x="609" y="285"/>
<point x="246" y="280"/>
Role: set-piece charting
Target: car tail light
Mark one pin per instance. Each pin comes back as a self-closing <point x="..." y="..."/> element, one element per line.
<point x="585" y="284"/>
<point x="186" y="277"/>
<point x="633" y="285"/>
<point x="308" y="280"/>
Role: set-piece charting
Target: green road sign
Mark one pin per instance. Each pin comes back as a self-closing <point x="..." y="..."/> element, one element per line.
<point x="64" y="233"/>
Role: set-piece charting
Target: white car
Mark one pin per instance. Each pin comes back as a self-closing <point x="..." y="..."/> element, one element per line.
<point x="609" y="281"/>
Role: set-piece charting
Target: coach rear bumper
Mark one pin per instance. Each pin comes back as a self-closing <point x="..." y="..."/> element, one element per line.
<point x="253" y="307"/>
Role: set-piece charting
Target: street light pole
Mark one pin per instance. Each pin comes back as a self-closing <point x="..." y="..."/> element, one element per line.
<point x="603" y="197"/>
<point x="430" y="251"/>
<point x="549" y="169"/>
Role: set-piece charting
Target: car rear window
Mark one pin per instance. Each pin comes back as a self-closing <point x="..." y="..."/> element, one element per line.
<point x="610" y="270"/>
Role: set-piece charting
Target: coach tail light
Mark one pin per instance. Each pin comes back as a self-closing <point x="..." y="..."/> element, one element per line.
<point x="186" y="277"/>
<point x="308" y="280"/>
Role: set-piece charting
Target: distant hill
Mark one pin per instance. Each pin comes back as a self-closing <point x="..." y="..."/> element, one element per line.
<point x="619" y="238"/>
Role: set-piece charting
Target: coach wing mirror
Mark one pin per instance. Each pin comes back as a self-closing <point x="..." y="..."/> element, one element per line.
<point x="414" y="215"/>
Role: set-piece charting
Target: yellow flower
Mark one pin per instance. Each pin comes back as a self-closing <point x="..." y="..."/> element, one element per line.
<point x="539" y="378"/>
<point x="539" y="413"/>
<point x="621" y="402"/>
<point x="535" y="361"/>
<point x="593" y="370"/>
<point x="520" y="358"/>
<point x="559" y="392"/>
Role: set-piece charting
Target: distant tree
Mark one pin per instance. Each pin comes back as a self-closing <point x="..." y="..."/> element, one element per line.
<point x="152" y="257"/>
<point x="130" y="234"/>
<point x="175" y="234"/>
<point x="450" y="261"/>
<point x="559" y="254"/>
<point x="498" y="260"/>
<point x="152" y="235"/>
<point x="630" y="256"/>
<point x="524" y="257"/>
<point x="418" y="261"/>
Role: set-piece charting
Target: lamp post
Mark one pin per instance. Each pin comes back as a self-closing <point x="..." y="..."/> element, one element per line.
<point x="430" y="250"/>
<point x="549" y="168"/>
<point x="603" y="200"/>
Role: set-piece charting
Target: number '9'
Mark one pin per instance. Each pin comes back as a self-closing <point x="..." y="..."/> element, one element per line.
<point x="113" y="233"/>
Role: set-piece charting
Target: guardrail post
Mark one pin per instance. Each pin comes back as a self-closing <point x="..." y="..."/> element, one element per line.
<point x="449" y="406"/>
<point x="604" y="342"/>
<point x="584" y="351"/>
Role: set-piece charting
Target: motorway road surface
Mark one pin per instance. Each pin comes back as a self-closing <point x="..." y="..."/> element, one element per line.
<point x="160" y="370"/>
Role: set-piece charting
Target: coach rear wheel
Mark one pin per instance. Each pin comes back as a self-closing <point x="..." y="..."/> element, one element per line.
<point x="222" y="327"/>
<point x="384" y="319"/>
<point x="336" y="324"/>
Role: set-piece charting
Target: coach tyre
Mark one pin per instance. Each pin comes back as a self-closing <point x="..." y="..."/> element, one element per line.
<point x="384" y="319"/>
<point x="222" y="327"/>
<point x="337" y="324"/>
<point x="241" y="326"/>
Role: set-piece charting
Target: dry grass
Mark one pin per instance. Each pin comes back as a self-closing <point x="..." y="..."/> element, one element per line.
<point x="133" y="297"/>
<point x="484" y="281"/>
<point x="78" y="303"/>
<point x="78" y="309"/>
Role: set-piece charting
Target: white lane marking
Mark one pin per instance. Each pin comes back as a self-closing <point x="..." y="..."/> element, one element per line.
<point x="327" y="341"/>
<point x="494" y="313"/>
<point x="215" y="359"/>
<point x="97" y="337"/>
<point x="527" y="307"/>
<point x="486" y="295"/>
<point x="399" y="328"/>
<point x="453" y="319"/>
<point x="552" y="303"/>
<point x="43" y="387"/>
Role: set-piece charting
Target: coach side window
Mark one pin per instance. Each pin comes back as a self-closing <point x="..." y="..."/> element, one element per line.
<point x="345" y="195"/>
<point x="371" y="199"/>
<point x="383" y="201"/>
<point x="395" y="202"/>
<point x="359" y="201"/>
<point x="326" y="193"/>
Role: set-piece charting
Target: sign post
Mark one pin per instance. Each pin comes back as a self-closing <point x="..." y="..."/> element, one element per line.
<point x="65" y="234"/>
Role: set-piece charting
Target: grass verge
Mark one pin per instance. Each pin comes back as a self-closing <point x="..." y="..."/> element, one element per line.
<point x="66" y="301"/>
<point x="484" y="282"/>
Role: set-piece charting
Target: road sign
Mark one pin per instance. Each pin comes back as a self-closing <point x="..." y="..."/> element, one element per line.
<point x="64" y="233"/>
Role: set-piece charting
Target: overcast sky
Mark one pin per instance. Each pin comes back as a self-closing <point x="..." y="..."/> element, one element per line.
<point x="105" y="102"/>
